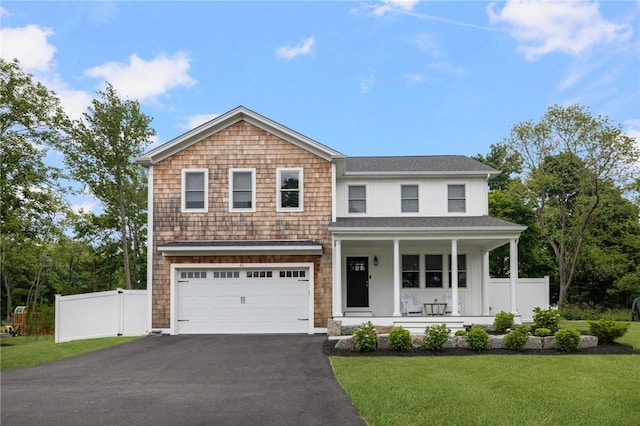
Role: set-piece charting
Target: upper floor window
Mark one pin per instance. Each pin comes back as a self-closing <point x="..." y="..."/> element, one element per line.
<point x="195" y="190"/>
<point x="409" y="198"/>
<point x="456" y="199"/>
<point x="241" y="189"/>
<point x="357" y="199"/>
<point x="290" y="186"/>
<point x="410" y="271"/>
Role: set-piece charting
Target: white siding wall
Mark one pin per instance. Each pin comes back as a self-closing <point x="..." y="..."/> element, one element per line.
<point x="383" y="197"/>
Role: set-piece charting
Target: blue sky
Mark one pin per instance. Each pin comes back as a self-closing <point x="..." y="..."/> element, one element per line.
<point x="366" y="78"/>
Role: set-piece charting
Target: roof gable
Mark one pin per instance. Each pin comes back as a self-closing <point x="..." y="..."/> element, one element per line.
<point x="227" y="119"/>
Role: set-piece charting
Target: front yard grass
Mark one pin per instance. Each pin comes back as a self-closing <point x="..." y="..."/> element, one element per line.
<point x="493" y="389"/>
<point x="26" y="351"/>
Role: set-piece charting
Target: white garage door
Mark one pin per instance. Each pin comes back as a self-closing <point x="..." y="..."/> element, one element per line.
<point x="229" y="301"/>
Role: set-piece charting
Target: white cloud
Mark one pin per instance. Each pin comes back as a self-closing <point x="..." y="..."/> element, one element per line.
<point x="29" y="45"/>
<point x="4" y="12"/>
<point x="572" y="27"/>
<point x="426" y="44"/>
<point x="392" y="6"/>
<point x="632" y="128"/>
<point x="146" y="80"/>
<point x="86" y="206"/>
<point x="290" y="52"/>
<point x="366" y="83"/>
<point x="194" y="121"/>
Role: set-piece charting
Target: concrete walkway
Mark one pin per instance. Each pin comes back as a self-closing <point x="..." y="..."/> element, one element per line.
<point x="183" y="380"/>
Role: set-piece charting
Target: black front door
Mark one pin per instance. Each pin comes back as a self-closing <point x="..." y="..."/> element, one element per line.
<point x="357" y="282"/>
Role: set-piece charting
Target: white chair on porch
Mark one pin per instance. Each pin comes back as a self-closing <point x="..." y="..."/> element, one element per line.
<point x="449" y="300"/>
<point x="408" y="306"/>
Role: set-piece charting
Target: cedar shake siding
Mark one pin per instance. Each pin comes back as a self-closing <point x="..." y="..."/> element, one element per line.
<point x="245" y="146"/>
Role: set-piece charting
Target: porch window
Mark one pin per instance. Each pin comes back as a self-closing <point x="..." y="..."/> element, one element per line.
<point x="357" y="199"/>
<point x="409" y="198"/>
<point x="456" y="200"/>
<point x="462" y="271"/>
<point x="410" y="271"/>
<point x="194" y="190"/>
<point x="290" y="190"/>
<point x="242" y="182"/>
<point x="433" y="270"/>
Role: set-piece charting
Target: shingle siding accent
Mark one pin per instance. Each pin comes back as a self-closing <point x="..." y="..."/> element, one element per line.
<point x="241" y="145"/>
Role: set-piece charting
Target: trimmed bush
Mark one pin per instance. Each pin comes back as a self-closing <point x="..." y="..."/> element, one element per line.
<point x="503" y="321"/>
<point x="365" y="338"/>
<point x="607" y="330"/>
<point x="460" y="333"/>
<point x="542" y="332"/>
<point x="399" y="338"/>
<point x="546" y="318"/>
<point x="436" y="337"/>
<point x="478" y="338"/>
<point x="567" y="339"/>
<point x="516" y="339"/>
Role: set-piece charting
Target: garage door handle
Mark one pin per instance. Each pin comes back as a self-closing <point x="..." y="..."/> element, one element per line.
<point x="303" y="319"/>
<point x="183" y="320"/>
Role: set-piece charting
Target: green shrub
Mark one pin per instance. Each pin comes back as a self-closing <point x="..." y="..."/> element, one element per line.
<point x="546" y="318"/>
<point x="542" y="332"/>
<point x="516" y="339"/>
<point x="436" y="337"/>
<point x="478" y="338"/>
<point x="567" y="339"/>
<point x="503" y="321"/>
<point x="579" y="312"/>
<point x="399" y="338"/>
<point x="607" y="330"/>
<point x="461" y="332"/>
<point x="40" y="321"/>
<point x="365" y="338"/>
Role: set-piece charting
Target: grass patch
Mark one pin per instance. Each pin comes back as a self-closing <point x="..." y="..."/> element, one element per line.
<point x="632" y="337"/>
<point x="492" y="389"/>
<point x="26" y="351"/>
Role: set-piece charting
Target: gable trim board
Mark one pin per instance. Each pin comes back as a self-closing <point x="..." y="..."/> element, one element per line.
<point x="244" y="305"/>
<point x="240" y="247"/>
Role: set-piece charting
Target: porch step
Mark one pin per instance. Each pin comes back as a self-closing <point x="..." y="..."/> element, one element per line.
<point x="418" y="326"/>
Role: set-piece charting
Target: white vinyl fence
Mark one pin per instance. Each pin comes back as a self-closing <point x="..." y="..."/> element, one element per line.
<point x="103" y="314"/>
<point x="532" y="292"/>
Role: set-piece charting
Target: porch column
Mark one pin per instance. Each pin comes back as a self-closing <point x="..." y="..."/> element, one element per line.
<point x="486" y="285"/>
<point x="513" y="274"/>
<point x="454" y="279"/>
<point x="337" y="279"/>
<point x="396" y="278"/>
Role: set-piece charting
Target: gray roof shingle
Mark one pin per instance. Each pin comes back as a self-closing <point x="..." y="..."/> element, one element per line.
<point x="428" y="163"/>
<point x="422" y="222"/>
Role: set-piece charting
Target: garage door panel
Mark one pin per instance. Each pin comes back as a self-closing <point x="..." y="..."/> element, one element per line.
<point x="242" y="302"/>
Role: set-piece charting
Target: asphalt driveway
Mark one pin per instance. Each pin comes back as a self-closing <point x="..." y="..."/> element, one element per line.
<point x="183" y="380"/>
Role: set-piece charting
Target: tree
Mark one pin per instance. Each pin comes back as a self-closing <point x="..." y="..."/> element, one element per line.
<point x="30" y="195"/>
<point x="567" y="156"/>
<point x="104" y="145"/>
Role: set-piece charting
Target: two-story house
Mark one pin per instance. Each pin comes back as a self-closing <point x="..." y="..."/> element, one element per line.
<point x="255" y="228"/>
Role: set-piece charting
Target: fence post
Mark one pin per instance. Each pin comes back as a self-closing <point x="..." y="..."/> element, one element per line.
<point x="57" y="319"/>
<point x="120" y="312"/>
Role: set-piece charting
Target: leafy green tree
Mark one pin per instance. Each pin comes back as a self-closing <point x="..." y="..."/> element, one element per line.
<point x="567" y="156"/>
<point x="104" y="145"/>
<point x="31" y="203"/>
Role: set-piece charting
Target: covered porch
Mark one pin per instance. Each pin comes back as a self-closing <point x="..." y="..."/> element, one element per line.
<point x="439" y="264"/>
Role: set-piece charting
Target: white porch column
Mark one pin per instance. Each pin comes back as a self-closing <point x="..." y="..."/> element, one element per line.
<point x="454" y="279"/>
<point x="396" y="278"/>
<point x="337" y="279"/>
<point x="513" y="274"/>
<point x="486" y="286"/>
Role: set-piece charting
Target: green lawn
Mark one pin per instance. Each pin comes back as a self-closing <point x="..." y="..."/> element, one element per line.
<point x="496" y="389"/>
<point x="493" y="389"/>
<point x="25" y="351"/>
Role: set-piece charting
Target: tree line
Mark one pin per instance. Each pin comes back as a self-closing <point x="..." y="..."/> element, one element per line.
<point x="571" y="178"/>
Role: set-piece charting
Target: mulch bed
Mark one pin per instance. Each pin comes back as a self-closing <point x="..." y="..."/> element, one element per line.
<point x="601" y="349"/>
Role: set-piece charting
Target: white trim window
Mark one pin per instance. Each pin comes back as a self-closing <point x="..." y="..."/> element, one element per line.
<point x="195" y="190"/>
<point x="410" y="271"/>
<point x="242" y="194"/>
<point x="409" y="198"/>
<point x="456" y="198"/>
<point x="289" y="188"/>
<point x="357" y="198"/>
<point x="433" y="271"/>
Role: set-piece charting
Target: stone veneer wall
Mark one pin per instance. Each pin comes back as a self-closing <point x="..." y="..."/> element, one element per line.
<point x="241" y="145"/>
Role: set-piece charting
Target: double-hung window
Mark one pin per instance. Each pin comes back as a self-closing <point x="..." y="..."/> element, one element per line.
<point x="456" y="200"/>
<point x="433" y="264"/>
<point x="357" y="199"/>
<point x="242" y="189"/>
<point x="195" y="190"/>
<point x="409" y="198"/>
<point x="410" y="270"/>
<point x="290" y="190"/>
